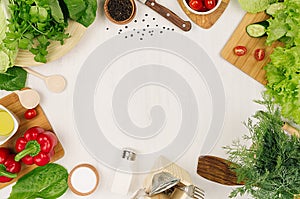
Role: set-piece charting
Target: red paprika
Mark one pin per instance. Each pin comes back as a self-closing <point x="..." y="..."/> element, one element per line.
<point x="36" y="146"/>
<point x="8" y="166"/>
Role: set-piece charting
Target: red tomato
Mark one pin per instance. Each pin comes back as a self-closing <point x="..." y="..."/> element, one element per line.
<point x="240" y="50"/>
<point x="259" y="54"/>
<point x="30" y="113"/>
<point x="210" y="4"/>
<point x="196" y="4"/>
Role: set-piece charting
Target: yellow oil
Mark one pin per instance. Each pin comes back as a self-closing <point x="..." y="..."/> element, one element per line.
<point x="6" y="123"/>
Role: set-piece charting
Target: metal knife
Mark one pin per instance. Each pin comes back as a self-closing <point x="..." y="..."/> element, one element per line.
<point x="168" y="14"/>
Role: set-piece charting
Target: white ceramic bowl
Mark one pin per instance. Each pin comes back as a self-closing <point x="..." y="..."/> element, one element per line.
<point x="3" y="139"/>
<point x="199" y="12"/>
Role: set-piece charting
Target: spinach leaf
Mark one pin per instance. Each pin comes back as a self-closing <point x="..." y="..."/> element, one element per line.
<point x="13" y="79"/>
<point x="89" y="14"/>
<point x="49" y="181"/>
<point x="56" y="11"/>
<point x="76" y="8"/>
<point x="84" y="12"/>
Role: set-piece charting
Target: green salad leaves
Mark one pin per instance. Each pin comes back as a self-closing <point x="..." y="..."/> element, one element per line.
<point x="49" y="181"/>
<point x="270" y="167"/>
<point x="283" y="71"/>
<point x="284" y="24"/>
<point x="283" y="75"/>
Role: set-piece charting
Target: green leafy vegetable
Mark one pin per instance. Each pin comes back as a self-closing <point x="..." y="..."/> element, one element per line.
<point x="56" y="11"/>
<point x="284" y="24"/>
<point x="283" y="75"/>
<point x="270" y="168"/>
<point x="13" y="79"/>
<point x="83" y="12"/>
<point x="30" y="19"/>
<point x="254" y="6"/>
<point x="49" y="181"/>
<point x="7" y="56"/>
<point x="89" y="14"/>
<point x="75" y="8"/>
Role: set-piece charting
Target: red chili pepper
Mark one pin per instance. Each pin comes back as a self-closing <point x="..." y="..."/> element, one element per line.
<point x="36" y="146"/>
<point x="8" y="166"/>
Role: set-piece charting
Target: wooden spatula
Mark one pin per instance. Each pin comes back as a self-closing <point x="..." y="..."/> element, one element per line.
<point x="217" y="170"/>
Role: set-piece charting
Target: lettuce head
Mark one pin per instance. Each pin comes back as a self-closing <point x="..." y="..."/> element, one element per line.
<point x="255" y="6"/>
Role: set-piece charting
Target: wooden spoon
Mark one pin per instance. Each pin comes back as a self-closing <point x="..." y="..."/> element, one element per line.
<point x="55" y="83"/>
<point x="28" y="98"/>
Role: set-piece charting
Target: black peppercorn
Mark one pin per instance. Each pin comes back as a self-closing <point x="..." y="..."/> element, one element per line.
<point x="120" y="10"/>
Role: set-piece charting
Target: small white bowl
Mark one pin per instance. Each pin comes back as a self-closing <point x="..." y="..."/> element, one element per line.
<point x="3" y="139"/>
<point x="199" y="12"/>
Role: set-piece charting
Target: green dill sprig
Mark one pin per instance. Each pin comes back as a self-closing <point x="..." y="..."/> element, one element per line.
<point x="270" y="167"/>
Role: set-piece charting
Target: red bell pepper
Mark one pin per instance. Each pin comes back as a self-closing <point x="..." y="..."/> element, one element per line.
<point x="8" y="166"/>
<point x="36" y="146"/>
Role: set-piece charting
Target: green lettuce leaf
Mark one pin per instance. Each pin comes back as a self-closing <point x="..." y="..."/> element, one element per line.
<point x="283" y="75"/>
<point x="7" y="56"/>
<point x="49" y="181"/>
<point x="284" y="24"/>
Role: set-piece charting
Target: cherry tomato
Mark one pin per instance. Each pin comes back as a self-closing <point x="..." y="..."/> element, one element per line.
<point x="30" y="113"/>
<point x="196" y="4"/>
<point x="259" y="54"/>
<point x="210" y="4"/>
<point x="240" y="50"/>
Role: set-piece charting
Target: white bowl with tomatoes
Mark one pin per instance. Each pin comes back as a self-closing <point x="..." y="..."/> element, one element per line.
<point x="202" y="7"/>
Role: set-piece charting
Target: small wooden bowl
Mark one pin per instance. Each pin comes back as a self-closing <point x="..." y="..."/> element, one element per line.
<point x="75" y="189"/>
<point x="185" y="3"/>
<point x="107" y="14"/>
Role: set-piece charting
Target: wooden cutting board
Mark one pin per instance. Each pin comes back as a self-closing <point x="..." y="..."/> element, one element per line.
<point x="205" y="21"/>
<point x="247" y="63"/>
<point x="12" y="103"/>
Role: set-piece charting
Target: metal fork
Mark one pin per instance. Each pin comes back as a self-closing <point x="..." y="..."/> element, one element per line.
<point x="192" y="191"/>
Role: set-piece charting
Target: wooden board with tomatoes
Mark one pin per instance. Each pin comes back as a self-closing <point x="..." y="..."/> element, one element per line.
<point x="204" y="21"/>
<point x="249" y="54"/>
<point x="11" y="102"/>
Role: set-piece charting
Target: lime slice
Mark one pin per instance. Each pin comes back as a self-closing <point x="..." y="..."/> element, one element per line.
<point x="6" y="123"/>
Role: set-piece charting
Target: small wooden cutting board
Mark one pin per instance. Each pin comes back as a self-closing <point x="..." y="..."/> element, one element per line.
<point x="247" y="63"/>
<point x="12" y="103"/>
<point x="205" y="21"/>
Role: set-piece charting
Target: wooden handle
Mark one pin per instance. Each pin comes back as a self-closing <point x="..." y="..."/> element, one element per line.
<point x="29" y="70"/>
<point x="217" y="170"/>
<point x="291" y="130"/>
<point x="169" y="15"/>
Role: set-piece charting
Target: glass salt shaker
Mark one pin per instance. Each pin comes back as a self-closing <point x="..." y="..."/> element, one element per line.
<point x="123" y="175"/>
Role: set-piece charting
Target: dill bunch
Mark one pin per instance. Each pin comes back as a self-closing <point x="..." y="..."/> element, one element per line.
<point x="270" y="167"/>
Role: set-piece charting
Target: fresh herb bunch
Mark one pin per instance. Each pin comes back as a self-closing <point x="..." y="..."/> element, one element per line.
<point x="33" y="24"/>
<point x="270" y="167"/>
